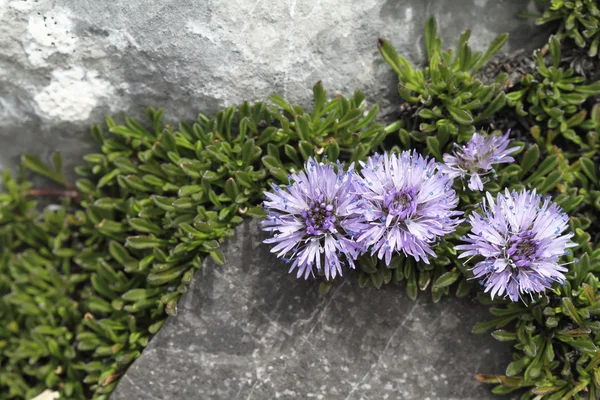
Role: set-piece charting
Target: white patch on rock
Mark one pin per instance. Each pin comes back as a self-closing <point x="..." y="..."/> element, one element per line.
<point x="408" y="14"/>
<point x="201" y="30"/>
<point x="481" y="3"/>
<point x="21" y="5"/>
<point x="51" y="32"/>
<point x="72" y="94"/>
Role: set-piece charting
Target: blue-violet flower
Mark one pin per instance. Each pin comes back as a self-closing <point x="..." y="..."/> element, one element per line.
<point x="315" y="221"/>
<point x="408" y="204"/>
<point x="520" y="237"/>
<point x="477" y="157"/>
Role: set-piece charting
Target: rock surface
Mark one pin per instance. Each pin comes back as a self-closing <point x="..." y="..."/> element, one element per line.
<point x="65" y="64"/>
<point x="248" y="330"/>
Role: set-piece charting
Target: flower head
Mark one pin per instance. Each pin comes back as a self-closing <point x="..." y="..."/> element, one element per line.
<point x="314" y="222"/>
<point x="520" y="236"/>
<point x="408" y="203"/>
<point x="475" y="159"/>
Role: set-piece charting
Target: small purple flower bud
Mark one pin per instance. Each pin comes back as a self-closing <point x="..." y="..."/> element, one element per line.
<point x="475" y="159"/>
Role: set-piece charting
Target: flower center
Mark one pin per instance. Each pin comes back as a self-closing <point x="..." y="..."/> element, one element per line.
<point x="401" y="203"/>
<point x="524" y="249"/>
<point x="319" y="218"/>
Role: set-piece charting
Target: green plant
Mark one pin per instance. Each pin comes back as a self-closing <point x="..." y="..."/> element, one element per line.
<point x="579" y="20"/>
<point x="555" y="96"/>
<point x="450" y="98"/>
<point x="86" y="284"/>
<point x="556" y="337"/>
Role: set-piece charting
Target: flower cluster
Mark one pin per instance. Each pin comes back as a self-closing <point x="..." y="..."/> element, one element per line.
<point x="520" y="238"/>
<point x="403" y="203"/>
<point x="398" y="203"/>
<point x="477" y="157"/>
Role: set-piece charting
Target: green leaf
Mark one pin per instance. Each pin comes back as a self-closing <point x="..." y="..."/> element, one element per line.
<point x="589" y="90"/>
<point x="389" y="54"/>
<point x="376" y="279"/>
<point x="144" y="225"/>
<point x="461" y="116"/>
<point x="120" y="254"/>
<point x="447" y="279"/>
<point x="550" y="182"/>
<point x="545" y="167"/>
<point x="517" y="366"/>
<point x="143" y="242"/>
<point x="411" y="286"/>
<point x="333" y="151"/>
<point x="573" y="98"/>
<point x="302" y="128"/>
<point x="188" y="190"/>
<point x="496" y="105"/>
<point x="248" y="151"/>
<point x="430" y="36"/>
<point x="589" y="169"/>
<point x="163" y="277"/>
<point x="306" y="149"/>
<point x="530" y="158"/>
<point x="217" y="256"/>
<point x="434" y="147"/>
<point x="504" y="336"/>
<point x="555" y="50"/>
<point x="495" y="46"/>
<point x="320" y="97"/>
<point x="279" y="101"/>
<point x="577" y="119"/>
<point x="569" y="309"/>
<point x="141" y="294"/>
<point x="36" y="165"/>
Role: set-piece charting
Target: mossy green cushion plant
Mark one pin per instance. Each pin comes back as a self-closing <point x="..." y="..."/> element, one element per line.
<point x="453" y="99"/>
<point x="552" y="96"/>
<point x="85" y="284"/>
<point x="579" y="20"/>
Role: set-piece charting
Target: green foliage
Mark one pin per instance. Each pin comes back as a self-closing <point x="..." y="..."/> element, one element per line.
<point x="453" y="99"/>
<point x="556" y="352"/>
<point x="84" y="285"/>
<point x="557" y="336"/>
<point x="554" y="96"/>
<point x="579" y="20"/>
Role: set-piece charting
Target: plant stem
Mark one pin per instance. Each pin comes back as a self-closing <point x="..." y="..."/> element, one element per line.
<point x="53" y="193"/>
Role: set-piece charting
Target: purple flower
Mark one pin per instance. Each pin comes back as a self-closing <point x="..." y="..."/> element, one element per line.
<point x="475" y="159"/>
<point x="520" y="239"/>
<point x="315" y="220"/>
<point x="408" y="203"/>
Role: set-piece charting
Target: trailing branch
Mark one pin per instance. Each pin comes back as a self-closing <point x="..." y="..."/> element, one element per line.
<point x="37" y="192"/>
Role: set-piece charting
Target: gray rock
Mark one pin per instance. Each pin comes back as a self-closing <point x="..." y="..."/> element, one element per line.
<point x="65" y="64"/>
<point x="249" y="330"/>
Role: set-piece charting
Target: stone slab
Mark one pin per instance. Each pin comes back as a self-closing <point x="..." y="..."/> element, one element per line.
<point x="248" y="330"/>
<point x="65" y="64"/>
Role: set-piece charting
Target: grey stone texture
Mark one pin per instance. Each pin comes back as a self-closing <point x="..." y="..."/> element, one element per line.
<point x="65" y="64"/>
<point x="248" y="330"/>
